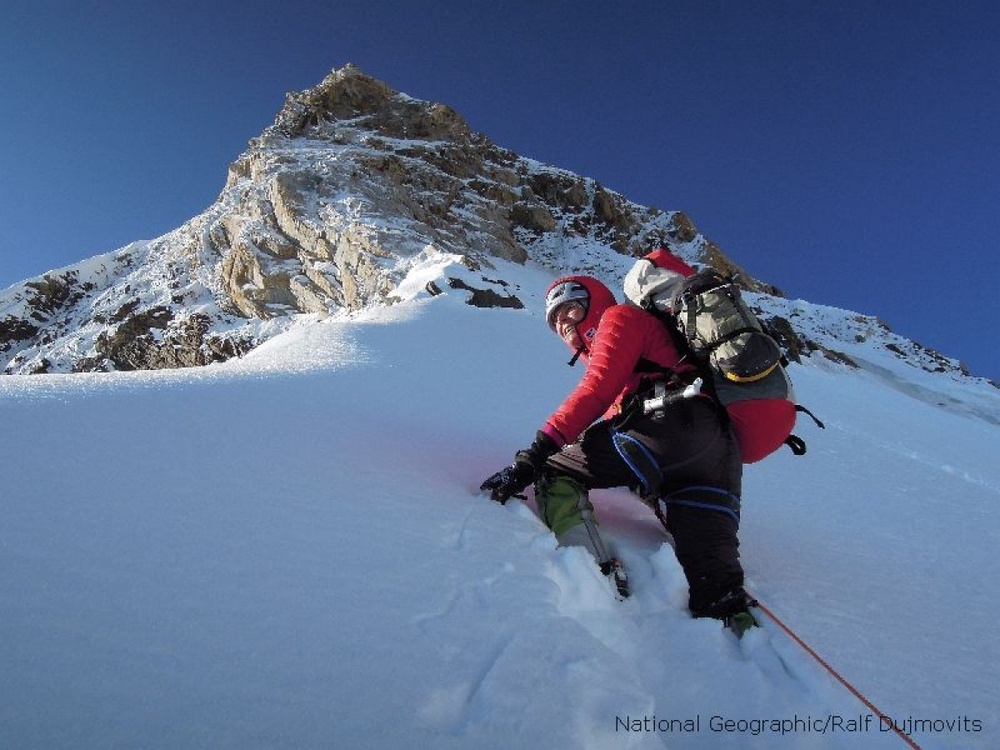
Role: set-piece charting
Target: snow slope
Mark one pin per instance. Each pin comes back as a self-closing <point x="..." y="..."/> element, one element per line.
<point x="288" y="551"/>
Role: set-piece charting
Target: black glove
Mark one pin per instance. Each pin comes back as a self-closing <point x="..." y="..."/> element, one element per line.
<point x="528" y="464"/>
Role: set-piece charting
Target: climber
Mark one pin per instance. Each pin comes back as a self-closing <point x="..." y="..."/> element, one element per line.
<point x="681" y="456"/>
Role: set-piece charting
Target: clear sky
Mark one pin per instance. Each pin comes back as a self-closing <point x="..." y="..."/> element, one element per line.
<point x="846" y="152"/>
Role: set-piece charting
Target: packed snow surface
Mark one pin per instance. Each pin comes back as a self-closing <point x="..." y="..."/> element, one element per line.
<point x="289" y="551"/>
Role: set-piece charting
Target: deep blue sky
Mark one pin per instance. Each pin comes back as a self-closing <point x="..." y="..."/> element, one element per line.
<point x="846" y="153"/>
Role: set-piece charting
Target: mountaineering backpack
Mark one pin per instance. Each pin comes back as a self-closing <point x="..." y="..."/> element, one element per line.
<point x="741" y="363"/>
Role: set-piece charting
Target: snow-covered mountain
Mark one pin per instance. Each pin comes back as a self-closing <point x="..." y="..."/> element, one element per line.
<point x="327" y="210"/>
<point x="350" y="188"/>
<point x="285" y="548"/>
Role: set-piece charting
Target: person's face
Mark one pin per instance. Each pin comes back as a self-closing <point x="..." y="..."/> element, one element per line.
<point x="565" y="320"/>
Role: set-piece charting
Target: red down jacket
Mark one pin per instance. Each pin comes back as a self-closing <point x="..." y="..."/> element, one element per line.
<point x="617" y="337"/>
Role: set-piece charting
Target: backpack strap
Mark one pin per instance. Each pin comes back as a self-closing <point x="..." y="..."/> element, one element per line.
<point x="797" y="444"/>
<point x="804" y="410"/>
<point x="674" y="379"/>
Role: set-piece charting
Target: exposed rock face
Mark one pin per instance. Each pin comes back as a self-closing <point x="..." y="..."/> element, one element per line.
<point x="315" y="217"/>
<point x="153" y="339"/>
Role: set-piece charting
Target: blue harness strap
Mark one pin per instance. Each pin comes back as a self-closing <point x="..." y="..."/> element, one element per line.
<point x="647" y="470"/>
<point x="640" y="460"/>
<point x="707" y="498"/>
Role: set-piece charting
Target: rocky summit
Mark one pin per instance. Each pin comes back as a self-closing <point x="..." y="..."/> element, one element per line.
<point x="326" y="212"/>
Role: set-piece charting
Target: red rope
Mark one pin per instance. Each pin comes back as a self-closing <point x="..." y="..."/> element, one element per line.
<point x="854" y="691"/>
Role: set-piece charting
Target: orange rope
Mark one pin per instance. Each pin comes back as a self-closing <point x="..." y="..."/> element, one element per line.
<point x="854" y="691"/>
